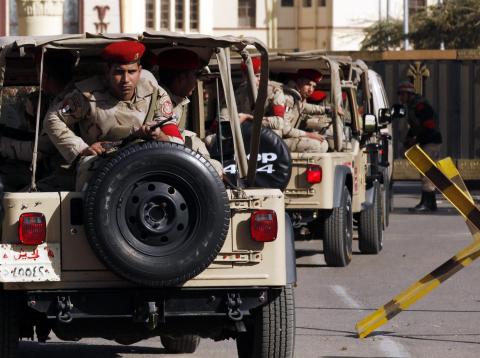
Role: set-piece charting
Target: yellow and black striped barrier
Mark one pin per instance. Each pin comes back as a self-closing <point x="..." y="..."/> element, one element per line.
<point x="451" y="185"/>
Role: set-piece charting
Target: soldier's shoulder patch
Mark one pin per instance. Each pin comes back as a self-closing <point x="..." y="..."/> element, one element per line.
<point x="167" y="108"/>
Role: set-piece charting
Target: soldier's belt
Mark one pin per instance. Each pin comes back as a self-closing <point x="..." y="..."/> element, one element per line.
<point x="448" y="181"/>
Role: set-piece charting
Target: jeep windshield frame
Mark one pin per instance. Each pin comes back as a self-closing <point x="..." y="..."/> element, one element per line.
<point x="290" y="62"/>
<point x="221" y="47"/>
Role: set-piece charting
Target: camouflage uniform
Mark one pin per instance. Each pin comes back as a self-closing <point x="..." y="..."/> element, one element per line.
<point x="274" y="105"/>
<point x="94" y="113"/>
<point x="17" y="152"/>
<point x="296" y="109"/>
<point x="421" y="119"/>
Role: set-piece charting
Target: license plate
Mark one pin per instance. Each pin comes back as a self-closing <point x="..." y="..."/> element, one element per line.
<point x="22" y="263"/>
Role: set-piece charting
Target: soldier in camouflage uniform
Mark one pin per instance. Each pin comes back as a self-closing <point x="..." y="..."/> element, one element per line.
<point x="297" y="109"/>
<point x="178" y="74"/>
<point x="421" y="119"/>
<point x="16" y="144"/>
<point x="109" y="108"/>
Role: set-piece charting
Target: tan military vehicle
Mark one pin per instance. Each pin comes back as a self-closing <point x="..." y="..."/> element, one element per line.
<point x="158" y="245"/>
<point x="327" y="192"/>
<point x="372" y="98"/>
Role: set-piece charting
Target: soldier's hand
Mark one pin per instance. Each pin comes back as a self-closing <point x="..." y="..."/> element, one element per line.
<point x="245" y="117"/>
<point x="313" y="135"/>
<point x="95" y="149"/>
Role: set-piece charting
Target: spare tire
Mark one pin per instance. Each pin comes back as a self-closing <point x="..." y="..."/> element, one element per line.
<point x="274" y="166"/>
<point x="146" y="209"/>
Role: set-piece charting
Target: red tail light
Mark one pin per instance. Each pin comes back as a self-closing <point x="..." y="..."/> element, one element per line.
<point x="314" y="174"/>
<point x="263" y="225"/>
<point x="32" y="228"/>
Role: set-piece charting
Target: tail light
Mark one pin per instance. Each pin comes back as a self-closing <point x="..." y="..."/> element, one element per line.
<point x="32" y="228"/>
<point x="263" y="225"/>
<point x="314" y="174"/>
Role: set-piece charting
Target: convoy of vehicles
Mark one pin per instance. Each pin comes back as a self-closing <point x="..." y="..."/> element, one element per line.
<point x="349" y="189"/>
<point x="131" y="258"/>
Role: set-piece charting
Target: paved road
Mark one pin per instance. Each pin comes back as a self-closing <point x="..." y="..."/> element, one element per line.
<point x="330" y="301"/>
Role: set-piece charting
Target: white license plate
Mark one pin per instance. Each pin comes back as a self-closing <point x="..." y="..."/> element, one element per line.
<point x="22" y="263"/>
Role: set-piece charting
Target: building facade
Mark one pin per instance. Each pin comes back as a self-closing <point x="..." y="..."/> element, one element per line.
<point x="334" y="25"/>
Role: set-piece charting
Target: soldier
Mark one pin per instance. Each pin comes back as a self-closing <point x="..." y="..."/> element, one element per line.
<point x="109" y="108"/>
<point x="296" y="107"/>
<point x="16" y="145"/>
<point x="421" y="121"/>
<point x="274" y="106"/>
<point x="178" y="72"/>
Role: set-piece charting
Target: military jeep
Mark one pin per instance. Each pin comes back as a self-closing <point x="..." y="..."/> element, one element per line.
<point x="329" y="192"/>
<point x="158" y="245"/>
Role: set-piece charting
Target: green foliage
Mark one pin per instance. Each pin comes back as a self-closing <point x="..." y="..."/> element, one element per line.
<point x="455" y="22"/>
<point x="383" y="35"/>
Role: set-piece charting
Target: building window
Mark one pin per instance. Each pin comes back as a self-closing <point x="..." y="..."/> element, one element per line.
<point x="246" y="13"/>
<point x="150" y="14"/>
<point x="287" y="3"/>
<point x="179" y="15"/>
<point x="321" y="3"/>
<point x="165" y="15"/>
<point x="416" y="6"/>
<point x="307" y="3"/>
<point x="194" y="15"/>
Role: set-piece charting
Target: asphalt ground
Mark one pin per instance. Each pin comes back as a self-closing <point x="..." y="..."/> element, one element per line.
<point x="329" y="301"/>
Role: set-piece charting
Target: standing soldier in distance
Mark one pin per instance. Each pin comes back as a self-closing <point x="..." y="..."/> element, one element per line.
<point x="422" y="130"/>
<point x="109" y="108"/>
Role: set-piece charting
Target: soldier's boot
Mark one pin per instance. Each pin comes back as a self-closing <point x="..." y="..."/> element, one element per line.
<point x="428" y="203"/>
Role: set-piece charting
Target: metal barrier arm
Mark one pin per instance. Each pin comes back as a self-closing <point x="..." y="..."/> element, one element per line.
<point x="463" y="202"/>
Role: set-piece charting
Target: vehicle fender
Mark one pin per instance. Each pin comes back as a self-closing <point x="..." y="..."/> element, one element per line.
<point x="369" y="196"/>
<point x="290" y="258"/>
<point x="343" y="175"/>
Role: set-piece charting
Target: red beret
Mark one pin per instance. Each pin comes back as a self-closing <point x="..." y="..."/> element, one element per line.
<point x="256" y="63"/>
<point x="317" y="96"/>
<point x="406" y="86"/>
<point x="179" y="59"/>
<point x="312" y="75"/>
<point x="123" y="52"/>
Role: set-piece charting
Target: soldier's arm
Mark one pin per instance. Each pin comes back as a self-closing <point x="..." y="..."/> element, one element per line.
<point x="164" y="110"/>
<point x="276" y="120"/>
<point x="310" y="108"/>
<point x="59" y="120"/>
<point x="425" y="114"/>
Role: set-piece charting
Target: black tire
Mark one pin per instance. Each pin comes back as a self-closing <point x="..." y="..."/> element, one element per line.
<point x="271" y="331"/>
<point x="338" y="233"/>
<point x="9" y="325"/>
<point x="146" y="209"/>
<point x="386" y="200"/>
<point x="1" y="203"/>
<point x="183" y="344"/>
<point x="370" y="226"/>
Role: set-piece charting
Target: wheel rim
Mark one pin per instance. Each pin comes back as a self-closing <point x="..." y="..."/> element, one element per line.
<point x="157" y="217"/>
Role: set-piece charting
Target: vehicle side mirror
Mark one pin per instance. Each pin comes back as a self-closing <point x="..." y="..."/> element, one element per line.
<point x="384" y="116"/>
<point x="398" y="111"/>
<point x="370" y="124"/>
